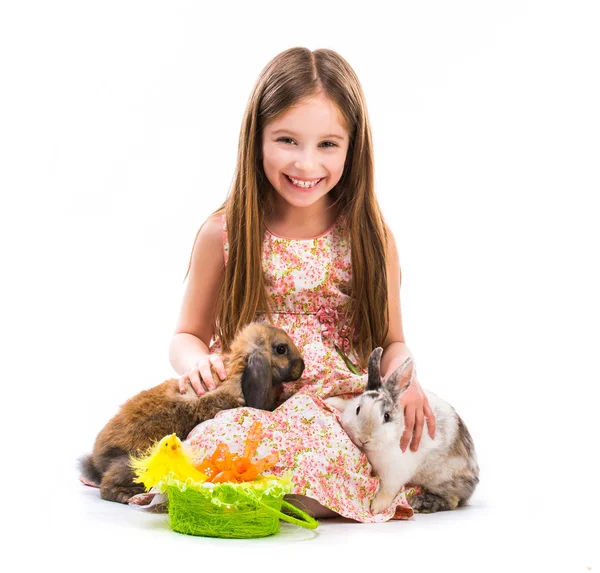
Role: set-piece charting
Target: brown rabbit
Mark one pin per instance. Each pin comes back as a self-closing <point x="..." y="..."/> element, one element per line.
<point x="261" y="357"/>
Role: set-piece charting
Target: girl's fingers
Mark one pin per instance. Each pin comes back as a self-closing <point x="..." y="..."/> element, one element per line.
<point x="196" y="382"/>
<point x="409" y="421"/>
<point x="182" y="383"/>
<point x="430" y="417"/>
<point x="419" y="421"/>
<point x="207" y="378"/>
<point x="218" y="365"/>
<point x="201" y="377"/>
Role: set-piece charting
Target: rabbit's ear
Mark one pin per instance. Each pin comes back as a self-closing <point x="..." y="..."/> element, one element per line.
<point x="338" y="403"/>
<point x="399" y="381"/>
<point x="256" y="382"/>
<point x="374" y="382"/>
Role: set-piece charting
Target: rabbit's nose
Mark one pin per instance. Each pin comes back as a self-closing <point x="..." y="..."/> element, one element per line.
<point x="298" y="368"/>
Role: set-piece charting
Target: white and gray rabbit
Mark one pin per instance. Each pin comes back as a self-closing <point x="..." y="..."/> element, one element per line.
<point x="446" y="467"/>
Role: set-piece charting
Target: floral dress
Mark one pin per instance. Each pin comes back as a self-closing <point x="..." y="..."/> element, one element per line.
<point x="307" y="281"/>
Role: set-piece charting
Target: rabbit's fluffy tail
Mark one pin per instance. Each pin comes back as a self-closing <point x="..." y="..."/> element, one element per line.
<point x="89" y="471"/>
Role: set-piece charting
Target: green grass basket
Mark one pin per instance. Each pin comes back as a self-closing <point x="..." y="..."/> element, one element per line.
<point x="245" y="510"/>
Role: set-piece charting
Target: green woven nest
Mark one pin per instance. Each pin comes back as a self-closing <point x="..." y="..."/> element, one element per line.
<point x="245" y="510"/>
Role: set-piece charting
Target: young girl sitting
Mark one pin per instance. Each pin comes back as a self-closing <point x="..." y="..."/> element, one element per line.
<point x="300" y="241"/>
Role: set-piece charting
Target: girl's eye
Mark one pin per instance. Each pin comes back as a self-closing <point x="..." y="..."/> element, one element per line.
<point x="286" y="139"/>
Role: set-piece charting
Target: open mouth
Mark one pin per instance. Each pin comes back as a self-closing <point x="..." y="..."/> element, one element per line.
<point x="303" y="187"/>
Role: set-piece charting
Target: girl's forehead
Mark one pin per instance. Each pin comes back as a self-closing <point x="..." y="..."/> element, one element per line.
<point x="317" y="115"/>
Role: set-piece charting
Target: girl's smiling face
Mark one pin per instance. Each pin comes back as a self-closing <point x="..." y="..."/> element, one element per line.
<point x="308" y="143"/>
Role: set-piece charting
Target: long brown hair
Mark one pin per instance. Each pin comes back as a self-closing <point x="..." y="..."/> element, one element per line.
<point x="291" y="77"/>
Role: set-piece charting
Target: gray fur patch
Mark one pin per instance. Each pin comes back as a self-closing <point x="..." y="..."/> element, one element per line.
<point x="463" y="443"/>
<point x="383" y="401"/>
<point x="429" y="502"/>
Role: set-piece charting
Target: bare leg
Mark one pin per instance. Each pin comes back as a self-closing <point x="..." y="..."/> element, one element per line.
<point x="311" y="506"/>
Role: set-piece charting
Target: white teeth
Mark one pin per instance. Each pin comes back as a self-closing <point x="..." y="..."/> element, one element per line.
<point x="304" y="184"/>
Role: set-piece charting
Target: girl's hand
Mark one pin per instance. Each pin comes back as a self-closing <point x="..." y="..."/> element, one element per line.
<point x="416" y="411"/>
<point x="200" y="375"/>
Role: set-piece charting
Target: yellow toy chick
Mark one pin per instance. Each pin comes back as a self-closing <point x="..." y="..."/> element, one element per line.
<point x="164" y="458"/>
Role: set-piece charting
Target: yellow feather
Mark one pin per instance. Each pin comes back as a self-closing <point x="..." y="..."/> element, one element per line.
<point x="162" y="459"/>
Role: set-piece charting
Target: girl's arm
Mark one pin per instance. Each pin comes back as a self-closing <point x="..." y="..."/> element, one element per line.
<point x="416" y="405"/>
<point x="189" y="350"/>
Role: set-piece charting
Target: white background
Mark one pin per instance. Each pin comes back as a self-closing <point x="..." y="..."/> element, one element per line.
<point x="119" y="126"/>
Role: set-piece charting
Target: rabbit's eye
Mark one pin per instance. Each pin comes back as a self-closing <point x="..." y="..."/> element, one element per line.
<point x="281" y="349"/>
<point x="386" y="417"/>
<point x="357" y="410"/>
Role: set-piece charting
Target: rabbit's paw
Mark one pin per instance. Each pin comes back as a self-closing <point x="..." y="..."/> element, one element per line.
<point x="430" y="503"/>
<point x="381" y="502"/>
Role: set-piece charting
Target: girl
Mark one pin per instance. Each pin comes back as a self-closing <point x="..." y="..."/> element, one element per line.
<point x="301" y="242"/>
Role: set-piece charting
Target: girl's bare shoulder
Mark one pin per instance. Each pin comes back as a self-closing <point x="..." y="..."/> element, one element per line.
<point x="205" y="273"/>
<point x="210" y="235"/>
<point x="207" y="259"/>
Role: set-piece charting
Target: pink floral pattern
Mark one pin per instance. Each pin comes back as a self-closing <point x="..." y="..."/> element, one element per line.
<point x="308" y="282"/>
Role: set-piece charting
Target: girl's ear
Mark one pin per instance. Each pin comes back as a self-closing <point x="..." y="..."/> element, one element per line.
<point x="374" y="381"/>
<point x="399" y="381"/>
<point x="257" y="384"/>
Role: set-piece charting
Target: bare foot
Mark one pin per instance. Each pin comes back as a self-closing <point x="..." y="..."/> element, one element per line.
<point x="310" y="506"/>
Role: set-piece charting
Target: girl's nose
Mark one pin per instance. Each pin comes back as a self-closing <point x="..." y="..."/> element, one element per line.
<point x="305" y="161"/>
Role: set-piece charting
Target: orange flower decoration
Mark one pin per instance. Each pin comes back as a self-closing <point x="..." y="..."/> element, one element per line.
<point x="223" y="466"/>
